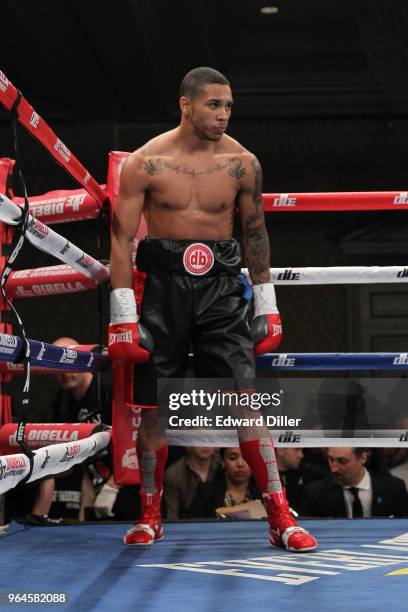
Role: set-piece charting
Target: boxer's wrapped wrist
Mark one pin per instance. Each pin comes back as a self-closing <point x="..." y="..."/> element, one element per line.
<point x="264" y="299"/>
<point x="123" y="306"/>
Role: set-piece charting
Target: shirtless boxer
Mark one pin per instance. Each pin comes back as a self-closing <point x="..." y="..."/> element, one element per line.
<point x="188" y="182"/>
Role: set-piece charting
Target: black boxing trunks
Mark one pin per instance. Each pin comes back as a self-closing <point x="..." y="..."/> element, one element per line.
<point x="194" y="298"/>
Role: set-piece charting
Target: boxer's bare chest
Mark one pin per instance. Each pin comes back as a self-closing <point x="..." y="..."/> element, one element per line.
<point x="203" y="183"/>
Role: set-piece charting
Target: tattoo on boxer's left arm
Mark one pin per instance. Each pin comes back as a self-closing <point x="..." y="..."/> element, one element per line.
<point x="256" y="246"/>
<point x="256" y="240"/>
<point x="257" y="190"/>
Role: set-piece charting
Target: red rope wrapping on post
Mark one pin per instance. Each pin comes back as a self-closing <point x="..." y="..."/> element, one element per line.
<point x="51" y="280"/>
<point x="335" y="201"/>
<point x="38" y="128"/>
<point x="62" y="205"/>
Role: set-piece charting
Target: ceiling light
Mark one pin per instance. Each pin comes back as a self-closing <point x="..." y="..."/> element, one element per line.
<point x="269" y="9"/>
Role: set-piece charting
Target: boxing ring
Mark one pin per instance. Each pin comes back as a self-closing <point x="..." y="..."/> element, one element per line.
<point x="210" y="566"/>
<point x="207" y="566"/>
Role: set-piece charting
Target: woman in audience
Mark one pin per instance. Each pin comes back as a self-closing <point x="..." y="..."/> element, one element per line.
<point x="231" y="485"/>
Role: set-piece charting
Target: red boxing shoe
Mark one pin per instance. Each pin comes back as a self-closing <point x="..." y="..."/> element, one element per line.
<point x="149" y="527"/>
<point x="284" y="532"/>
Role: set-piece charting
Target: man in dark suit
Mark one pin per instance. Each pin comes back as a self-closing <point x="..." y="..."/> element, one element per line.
<point x="352" y="491"/>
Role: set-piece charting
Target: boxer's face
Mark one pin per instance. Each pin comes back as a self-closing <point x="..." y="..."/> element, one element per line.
<point x="209" y="111"/>
<point x="346" y="466"/>
<point x="236" y="468"/>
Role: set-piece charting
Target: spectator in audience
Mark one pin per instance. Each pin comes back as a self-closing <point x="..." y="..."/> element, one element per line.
<point x="231" y="485"/>
<point x="77" y="400"/>
<point x="182" y="478"/>
<point x="352" y="491"/>
<point x="398" y="464"/>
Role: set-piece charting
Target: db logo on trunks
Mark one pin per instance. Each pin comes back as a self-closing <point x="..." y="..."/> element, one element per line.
<point x="198" y="259"/>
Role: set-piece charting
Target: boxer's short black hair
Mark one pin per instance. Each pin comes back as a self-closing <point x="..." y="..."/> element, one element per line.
<point x="198" y="78"/>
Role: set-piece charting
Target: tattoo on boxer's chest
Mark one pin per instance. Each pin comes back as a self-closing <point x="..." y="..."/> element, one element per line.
<point x="155" y="166"/>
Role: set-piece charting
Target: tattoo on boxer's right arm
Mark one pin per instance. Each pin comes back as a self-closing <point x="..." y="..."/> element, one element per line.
<point x="236" y="168"/>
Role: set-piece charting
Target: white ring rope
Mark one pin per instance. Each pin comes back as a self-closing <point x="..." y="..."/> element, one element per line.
<point x="340" y="275"/>
<point x="49" y="460"/>
<point x="46" y="239"/>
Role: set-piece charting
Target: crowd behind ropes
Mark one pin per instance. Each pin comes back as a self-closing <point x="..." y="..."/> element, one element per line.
<point x="206" y="482"/>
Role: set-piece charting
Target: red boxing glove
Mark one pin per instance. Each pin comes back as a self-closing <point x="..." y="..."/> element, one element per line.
<point x="266" y="326"/>
<point x="128" y="340"/>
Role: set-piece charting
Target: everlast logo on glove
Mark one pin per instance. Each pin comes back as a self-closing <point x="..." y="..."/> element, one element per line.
<point x="121" y="336"/>
<point x="198" y="259"/>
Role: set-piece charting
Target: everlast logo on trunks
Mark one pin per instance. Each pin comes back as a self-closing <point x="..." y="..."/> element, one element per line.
<point x="198" y="259"/>
<point x="37" y="229"/>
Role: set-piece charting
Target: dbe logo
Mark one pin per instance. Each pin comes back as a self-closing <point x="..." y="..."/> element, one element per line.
<point x="402" y="359"/>
<point x="198" y="259"/>
<point x="284" y="361"/>
<point x="402" y="198"/>
<point x="284" y="200"/>
<point x="289" y="275"/>
<point x="289" y="437"/>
